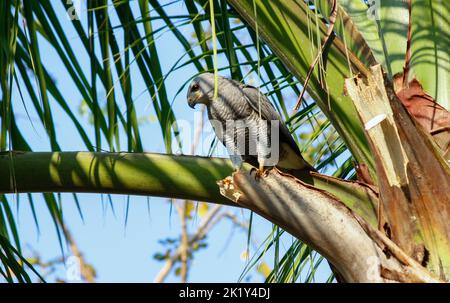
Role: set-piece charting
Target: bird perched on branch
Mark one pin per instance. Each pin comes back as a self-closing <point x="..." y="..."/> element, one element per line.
<point x="247" y="124"/>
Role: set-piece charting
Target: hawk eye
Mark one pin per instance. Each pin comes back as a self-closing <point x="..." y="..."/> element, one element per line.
<point x="195" y="87"/>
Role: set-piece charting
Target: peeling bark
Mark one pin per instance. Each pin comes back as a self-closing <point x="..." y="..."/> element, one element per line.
<point x="434" y="118"/>
<point x="413" y="177"/>
<point x="411" y="243"/>
<point x="323" y="222"/>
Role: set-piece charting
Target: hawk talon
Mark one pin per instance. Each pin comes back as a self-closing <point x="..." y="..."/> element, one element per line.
<point x="255" y="171"/>
<point x="261" y="172"/>
<point x="258" y="173"/>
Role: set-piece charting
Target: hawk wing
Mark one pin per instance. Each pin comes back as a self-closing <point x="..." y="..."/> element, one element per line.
<point x="258" y="100"/>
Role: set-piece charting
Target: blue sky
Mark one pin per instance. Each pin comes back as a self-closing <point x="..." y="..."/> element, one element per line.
<point x="119" y="252"/>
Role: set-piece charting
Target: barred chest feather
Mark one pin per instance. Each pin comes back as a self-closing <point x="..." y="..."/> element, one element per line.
<point x="225" y="109"/>
<point x="245" y="120"/>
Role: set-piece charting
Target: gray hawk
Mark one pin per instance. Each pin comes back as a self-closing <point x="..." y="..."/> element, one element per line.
<point x="247" y="124"/>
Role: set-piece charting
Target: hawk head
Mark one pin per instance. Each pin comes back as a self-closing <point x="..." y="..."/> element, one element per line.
<point x="201" y="90"/>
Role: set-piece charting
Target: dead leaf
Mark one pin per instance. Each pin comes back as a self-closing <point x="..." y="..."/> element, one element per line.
<point x="434" y="118"/>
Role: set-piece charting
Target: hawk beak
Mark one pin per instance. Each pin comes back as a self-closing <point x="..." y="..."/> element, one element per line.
<point x="191" y="102"/>
<point x="193" y="98"/>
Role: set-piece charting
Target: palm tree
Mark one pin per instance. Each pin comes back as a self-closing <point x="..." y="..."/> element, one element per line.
<point x="380" y="213"/>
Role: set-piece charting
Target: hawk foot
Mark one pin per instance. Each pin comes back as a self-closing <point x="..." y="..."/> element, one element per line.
<point x="261" y="172"/>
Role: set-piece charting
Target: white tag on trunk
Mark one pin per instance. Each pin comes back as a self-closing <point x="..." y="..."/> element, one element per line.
<point x="375" y="121"/>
